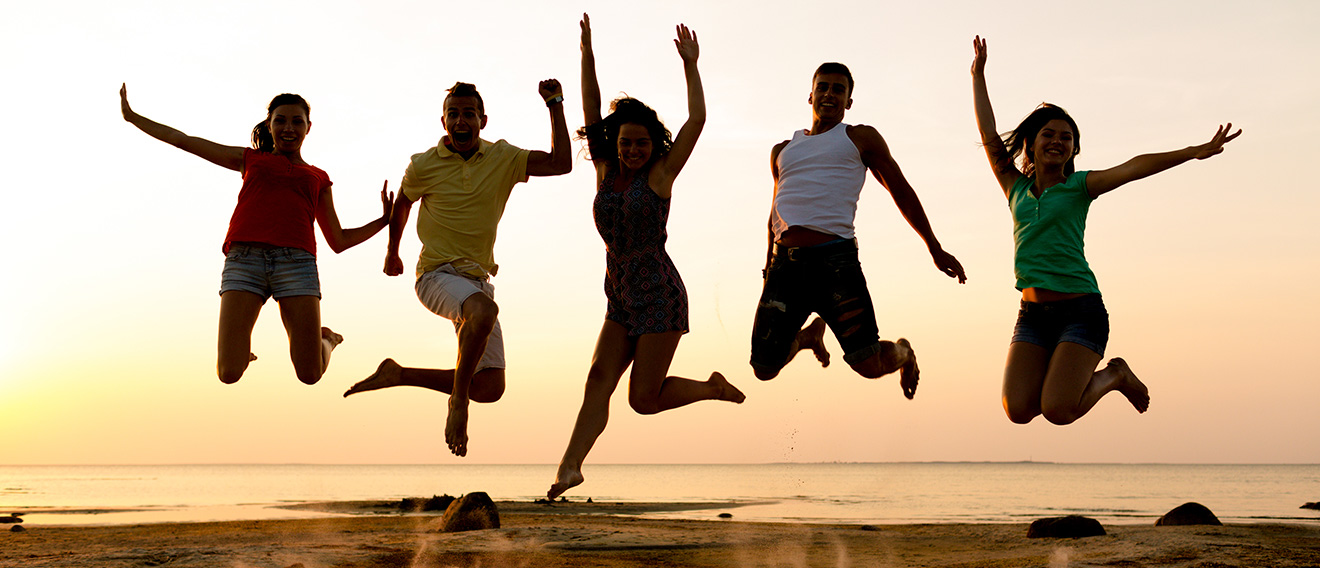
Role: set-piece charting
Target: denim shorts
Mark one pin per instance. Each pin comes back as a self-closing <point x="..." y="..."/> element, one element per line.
<point x="267" y="272"/>
<point x="825" y="279"/>
<point x="1082" y="320"/>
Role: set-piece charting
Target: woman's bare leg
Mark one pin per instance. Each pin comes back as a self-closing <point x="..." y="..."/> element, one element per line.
<point x="238" y="314"/>
<point x="310" y="344"/>
<point x="1024" y="379"/>
<point x="652" y="390"/>
<point x="614" y="352"/>
<point x="1072" y="385"/>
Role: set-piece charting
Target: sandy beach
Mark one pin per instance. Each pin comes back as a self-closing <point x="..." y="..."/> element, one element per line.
<point x="603" y="534"/>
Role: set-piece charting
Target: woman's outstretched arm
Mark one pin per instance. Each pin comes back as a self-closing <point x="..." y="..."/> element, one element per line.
<point x="590" y="87"/>
<point x="1099" y="182"/>
<point x="341" y="239"/>
<point x="1000" y="161"/>
<point x="224" y="156"/>
<point x="686" y="139"/>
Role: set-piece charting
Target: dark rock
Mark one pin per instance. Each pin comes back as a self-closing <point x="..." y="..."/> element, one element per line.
<point x="726" y="515"/>
<point x="871" y="528"/>
<point x="1190" y="513"/>
<point x="17" y="528"/>
<point x="471" y="512"/>
<point x="416" y="504"/>
<point x="544" y="502"/>
<point x="563" y="499"/>
<point x="1071" y="526"/>
<point x="10" y="519"/>
<point x="1315" y="506"/>
<point x="588" y="499"/>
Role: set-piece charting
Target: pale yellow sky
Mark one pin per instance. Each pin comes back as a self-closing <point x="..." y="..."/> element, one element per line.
<point x="111" y="239"/>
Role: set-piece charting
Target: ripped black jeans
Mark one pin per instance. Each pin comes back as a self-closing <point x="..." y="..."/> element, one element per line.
<point x="825" y="279"/>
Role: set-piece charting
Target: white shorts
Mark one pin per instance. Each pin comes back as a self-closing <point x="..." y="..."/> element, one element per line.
<point x="444" y="290"/>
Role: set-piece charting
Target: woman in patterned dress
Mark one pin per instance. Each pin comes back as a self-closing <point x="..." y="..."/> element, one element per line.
<point x="636" y="163"/>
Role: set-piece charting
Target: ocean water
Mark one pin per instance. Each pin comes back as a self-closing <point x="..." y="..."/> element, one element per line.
<point x="875" y="493"/>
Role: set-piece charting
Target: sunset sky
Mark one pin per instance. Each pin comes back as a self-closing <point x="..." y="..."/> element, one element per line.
<point x="111" y="240"/>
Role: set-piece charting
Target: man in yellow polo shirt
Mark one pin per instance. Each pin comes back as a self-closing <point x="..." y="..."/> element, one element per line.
<point x="463" y="184"/>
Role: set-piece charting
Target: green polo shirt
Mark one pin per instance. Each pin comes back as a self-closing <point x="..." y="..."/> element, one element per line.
<point x="1048" y="236"/>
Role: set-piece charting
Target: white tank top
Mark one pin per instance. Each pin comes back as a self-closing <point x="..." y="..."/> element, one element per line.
<point x="820" y="179"/>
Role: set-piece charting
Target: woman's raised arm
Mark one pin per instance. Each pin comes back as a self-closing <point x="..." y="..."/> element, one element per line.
<point x="590" y="87"/>
<point x="230" y="157"/>
<point x="1000" y="160"/>
<point x="686" y="139"/>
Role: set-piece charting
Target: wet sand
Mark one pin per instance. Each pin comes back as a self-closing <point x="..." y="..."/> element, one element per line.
<point x="603" y="535"/>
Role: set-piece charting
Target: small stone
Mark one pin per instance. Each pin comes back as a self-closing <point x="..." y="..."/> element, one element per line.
<point x="871" y="528"/>
<point x="1071" y="526"/>
<point x="588" y="499"/>
<point x="1190" y="513"/>
<point x="726" y="515"/>
<point x="1315" y="506"/>
<point x="17" y="528"/>
<point x="10" y="520"/>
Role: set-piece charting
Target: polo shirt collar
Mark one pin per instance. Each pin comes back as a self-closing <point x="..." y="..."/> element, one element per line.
<point x="444" y="152"/>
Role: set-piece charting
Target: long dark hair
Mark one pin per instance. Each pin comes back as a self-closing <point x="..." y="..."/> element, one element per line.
<point x="1021" y="139"/>
<point x="602" y="136"/>
<point x="262" y="141"/>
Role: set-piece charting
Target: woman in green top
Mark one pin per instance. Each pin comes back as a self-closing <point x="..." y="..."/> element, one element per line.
<point x="1062" y="326"/>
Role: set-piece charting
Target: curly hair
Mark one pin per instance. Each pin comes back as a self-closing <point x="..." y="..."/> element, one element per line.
<point x="602" y="137"/>
<point x="1020" y="140"/>
<point x="261" y="138"/>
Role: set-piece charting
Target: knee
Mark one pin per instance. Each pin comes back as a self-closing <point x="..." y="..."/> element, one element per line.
<point x="487" y="392"/>
<point x="479" y="309"/>
<point x="309" y="376"/>
<point x="229" y="374"/>
<point x="1059" y="416"/>
<point x="1019" y="415"/>
<point x="644" y="406"/>
<point x="765" y="373"/>
<point x="1021" y="411"/>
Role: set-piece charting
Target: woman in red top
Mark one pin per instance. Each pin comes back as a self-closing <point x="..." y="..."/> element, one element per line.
<point x="270" y="249"/>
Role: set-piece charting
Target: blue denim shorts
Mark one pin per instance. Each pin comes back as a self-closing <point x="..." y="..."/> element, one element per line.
<point x="267" y="272"/>
<point x="1082" y="320"/>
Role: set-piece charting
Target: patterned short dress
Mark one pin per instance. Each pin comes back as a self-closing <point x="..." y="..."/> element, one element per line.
<point x="644" y="291"/>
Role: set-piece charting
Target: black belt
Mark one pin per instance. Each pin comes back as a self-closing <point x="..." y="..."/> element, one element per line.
<point x="814" y="251"/>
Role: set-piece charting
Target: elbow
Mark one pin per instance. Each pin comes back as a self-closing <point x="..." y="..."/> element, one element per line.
<point x="563" y="165"/>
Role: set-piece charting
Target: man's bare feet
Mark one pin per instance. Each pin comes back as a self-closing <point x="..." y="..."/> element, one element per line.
<point x="456" y="428"/>
<point x="387" y="374"/>
<point x="813" y="337"/>
<point x="727" y="392"/>
<point x="567" y="478"/>
<point x="910" y="374"/>
<point x="1127" y="383"/>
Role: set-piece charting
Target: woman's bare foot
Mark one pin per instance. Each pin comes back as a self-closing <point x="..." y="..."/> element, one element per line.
<point x="727" y="391"/>
<point x="909" y="375"/>
<point x="1127" y="383"/>
<point x="329" y="336"/>
<point x="567" y="478"/>
<point x="386" y="375"/>
<point x="813" y="337"/>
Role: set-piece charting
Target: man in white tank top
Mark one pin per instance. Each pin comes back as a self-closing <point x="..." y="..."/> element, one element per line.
<point x="811" y="264"/>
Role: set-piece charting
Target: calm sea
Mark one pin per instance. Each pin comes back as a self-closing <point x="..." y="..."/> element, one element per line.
<point x="846" y="492"/>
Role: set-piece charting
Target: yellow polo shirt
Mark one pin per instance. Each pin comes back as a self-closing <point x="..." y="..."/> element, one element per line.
<point x="462" y="202"/>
